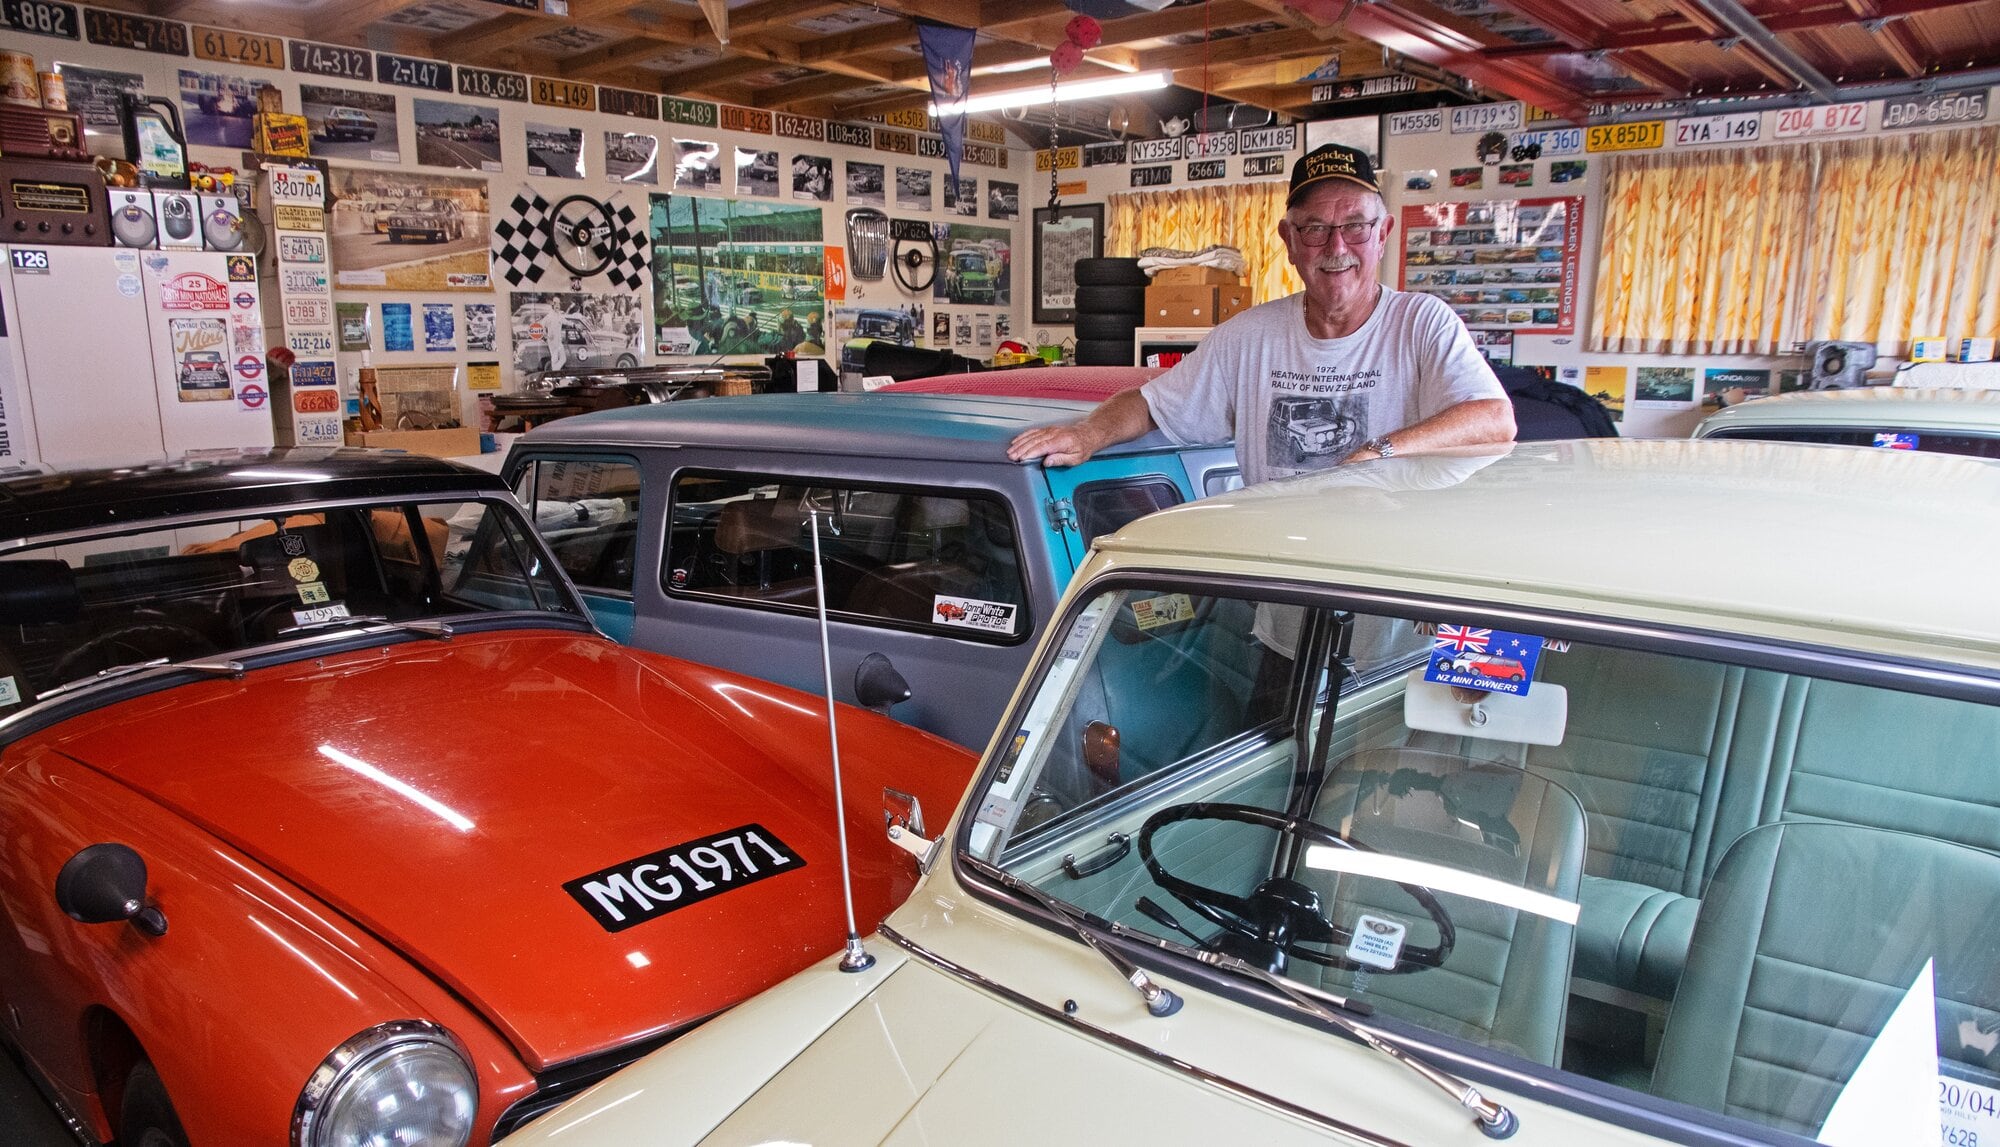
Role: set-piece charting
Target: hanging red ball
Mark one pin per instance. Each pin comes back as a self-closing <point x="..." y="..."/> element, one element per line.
<point x="1084" y="32"/>
<point x="1066" y="57"/>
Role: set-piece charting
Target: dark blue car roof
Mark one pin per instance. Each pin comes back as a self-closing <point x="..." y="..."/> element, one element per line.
<point x="949" y="427"/>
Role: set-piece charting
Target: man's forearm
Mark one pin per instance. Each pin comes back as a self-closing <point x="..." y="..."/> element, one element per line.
<point x="1484" y="421"/>
<point x="1120" y="418"/>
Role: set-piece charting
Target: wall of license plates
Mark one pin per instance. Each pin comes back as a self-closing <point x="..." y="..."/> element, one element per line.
<point x="447" y="152"/>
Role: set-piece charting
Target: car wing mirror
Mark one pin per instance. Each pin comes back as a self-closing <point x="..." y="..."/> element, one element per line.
<point x="877" y="684"/>
<point x="105" y="883"/>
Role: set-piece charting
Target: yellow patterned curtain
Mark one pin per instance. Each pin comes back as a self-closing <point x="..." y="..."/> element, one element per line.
<point x="1903" y="239"/>
<point x="1701" y="250"/>
<point x="1244" y="216"/>
<point x="1747" y="251"/>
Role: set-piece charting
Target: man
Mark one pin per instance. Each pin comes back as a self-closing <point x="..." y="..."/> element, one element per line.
<point x="1345" y="371"/>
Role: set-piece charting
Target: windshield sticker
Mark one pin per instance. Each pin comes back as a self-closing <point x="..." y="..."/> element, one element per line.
<point x="1377" y="942"/>
<point x="1970" y="1112"/>
<point x="1554" y="645"/>
<point x="314" y="593"/>
<point x="972" y="613"/>
<point x="1489" y="659"/>
<point x="1892" y="440"/>
<point x="644" y="888"/>
<point x="10" y="693"/>
<point x="303" y="569"/>
<point x="1166" y="609"/>
<point x="1013" y="754"/>
<point x="322" y="613"/>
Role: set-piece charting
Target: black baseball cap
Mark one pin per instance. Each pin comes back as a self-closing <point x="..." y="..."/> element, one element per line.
<point x="1330" y="161"/>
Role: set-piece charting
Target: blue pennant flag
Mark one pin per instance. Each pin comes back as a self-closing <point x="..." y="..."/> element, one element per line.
<point x="948" y="58"/>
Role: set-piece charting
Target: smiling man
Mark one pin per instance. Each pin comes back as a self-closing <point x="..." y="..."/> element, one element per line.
<point x="1344" y="371"/>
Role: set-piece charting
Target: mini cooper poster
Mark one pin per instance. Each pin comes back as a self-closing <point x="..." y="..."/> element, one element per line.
<point x="201" y="362"/>
<point x="409" y="232"/>
<point x="975" y="265"/>
<point x="440" y="328"/>
<point x="1492" y="660"/>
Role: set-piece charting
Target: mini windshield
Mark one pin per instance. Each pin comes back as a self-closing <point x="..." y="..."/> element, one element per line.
<point x="208" y="588"/>
<point x="1534" y="845"/>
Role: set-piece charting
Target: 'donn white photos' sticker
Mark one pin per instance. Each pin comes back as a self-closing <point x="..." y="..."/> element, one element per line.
<point x="972" y="613"/>
<point x="1892" y="1096"/>
<point x="10" y="693"/>
<point x="1377" y="942"/>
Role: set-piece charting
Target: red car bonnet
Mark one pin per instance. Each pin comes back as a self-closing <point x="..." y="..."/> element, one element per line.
<point x="442" y="795"/>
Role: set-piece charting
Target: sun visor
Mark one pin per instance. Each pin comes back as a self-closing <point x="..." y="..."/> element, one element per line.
<point x="1537" y="717"/>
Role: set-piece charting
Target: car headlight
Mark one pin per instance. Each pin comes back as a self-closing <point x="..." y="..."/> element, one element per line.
<point x="401" y="1083"/>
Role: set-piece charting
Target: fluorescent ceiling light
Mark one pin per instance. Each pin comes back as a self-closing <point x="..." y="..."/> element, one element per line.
<point x="1084" y="90"/>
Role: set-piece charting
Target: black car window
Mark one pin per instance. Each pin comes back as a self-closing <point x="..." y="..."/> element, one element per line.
<point x="1927" y="441"/>
<point x="588" y="512"/>
<point x="947" y="561"/>
<point x="1105" y="507"/>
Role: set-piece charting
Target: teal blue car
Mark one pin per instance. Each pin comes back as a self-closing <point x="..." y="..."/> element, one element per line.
<point x="689" y="528"/>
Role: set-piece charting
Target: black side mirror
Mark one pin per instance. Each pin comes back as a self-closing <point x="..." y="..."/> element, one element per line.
<point x="106" y="883"/>
<point x="877" y="685"/>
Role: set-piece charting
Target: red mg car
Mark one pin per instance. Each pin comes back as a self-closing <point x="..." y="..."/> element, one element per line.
<point x="330" y="818"/>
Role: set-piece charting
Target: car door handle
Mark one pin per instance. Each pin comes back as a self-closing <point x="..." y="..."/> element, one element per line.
<point x="1119" y="845"/>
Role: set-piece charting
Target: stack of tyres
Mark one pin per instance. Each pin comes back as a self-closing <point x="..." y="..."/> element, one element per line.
<point x="1110" y="307"/>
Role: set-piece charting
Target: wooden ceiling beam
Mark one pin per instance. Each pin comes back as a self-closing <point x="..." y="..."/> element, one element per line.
<point x="1895" y="37"/>
<point x="1260" y="46"/>
<point x="764" y="15"/>
<point x="860" y="42"/>
<point x="480" y="41"/>
<point x="1425" y="33"/>
<point x="344" y="23"/>
<point x="719" y="72"/>
<point x="1046" y="31"/>
<point x="599" y="62"/>
<point x="783" y="96"/>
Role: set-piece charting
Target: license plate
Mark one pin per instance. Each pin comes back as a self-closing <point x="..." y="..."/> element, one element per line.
<point x="650" y="886"/>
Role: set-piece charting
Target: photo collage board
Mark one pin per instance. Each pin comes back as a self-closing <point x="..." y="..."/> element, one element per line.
<point x="1509" y="264"/>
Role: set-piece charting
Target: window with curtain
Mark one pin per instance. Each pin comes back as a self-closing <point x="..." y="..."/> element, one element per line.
<point x="1244" y="216"/>
<point x="1748" y="250"/>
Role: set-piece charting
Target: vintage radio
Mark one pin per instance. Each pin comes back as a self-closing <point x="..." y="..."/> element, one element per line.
<point x="32" y="133"/>
<point x="44" y="202"/>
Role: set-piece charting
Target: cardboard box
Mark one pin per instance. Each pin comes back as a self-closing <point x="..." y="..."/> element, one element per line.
<point x="1194" y="277"/>
<point x="1975" y="350"/>
<point x="459" y="442"/>
<point x="1171" y="306"/>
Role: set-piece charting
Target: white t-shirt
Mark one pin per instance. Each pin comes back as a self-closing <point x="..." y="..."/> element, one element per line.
<point x="1295" y="403"/>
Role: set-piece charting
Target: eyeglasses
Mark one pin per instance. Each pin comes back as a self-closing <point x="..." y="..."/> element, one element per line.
<point x="1352" y="234"/>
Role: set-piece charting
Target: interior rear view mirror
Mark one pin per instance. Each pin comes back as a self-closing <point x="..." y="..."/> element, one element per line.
<point x="1536" y="717"/>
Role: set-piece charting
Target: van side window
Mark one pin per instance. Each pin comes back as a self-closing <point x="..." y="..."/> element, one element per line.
<point x="588" y="513"/>
<point x="943" y="560"/>
<point x="1104" y="507"/>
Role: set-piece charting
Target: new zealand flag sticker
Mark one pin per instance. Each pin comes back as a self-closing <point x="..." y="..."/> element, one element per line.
<point x="1489" y="659"/>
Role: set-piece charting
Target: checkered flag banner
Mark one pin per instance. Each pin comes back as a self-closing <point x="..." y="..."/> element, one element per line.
<point x="521" y="239"/>
<point x="626" y="248"/>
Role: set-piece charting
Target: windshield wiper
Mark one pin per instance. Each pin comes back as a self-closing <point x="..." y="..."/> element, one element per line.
<point x="1160" y="1001"/>
<point x="423" y="626"/>
<point x="218" y="668"/>
<point x="1494" y="1120"/>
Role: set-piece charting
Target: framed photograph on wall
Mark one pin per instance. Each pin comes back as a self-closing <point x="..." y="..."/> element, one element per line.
<point x="1062" y="236"/>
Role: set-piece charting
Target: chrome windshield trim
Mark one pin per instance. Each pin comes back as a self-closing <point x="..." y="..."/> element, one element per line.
<point x="1132" y="1047"/>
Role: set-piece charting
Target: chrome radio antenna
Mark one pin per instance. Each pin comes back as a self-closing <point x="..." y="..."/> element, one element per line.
<point x="856" y="958"/>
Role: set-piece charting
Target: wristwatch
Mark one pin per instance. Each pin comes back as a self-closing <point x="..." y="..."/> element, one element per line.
<point x="1382" y="447"/>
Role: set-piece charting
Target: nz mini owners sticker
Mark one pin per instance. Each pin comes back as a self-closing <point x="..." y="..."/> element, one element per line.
<point x="646" y="887"/>
<point x="972" y="613"/>
<point x="1489" y="659"/>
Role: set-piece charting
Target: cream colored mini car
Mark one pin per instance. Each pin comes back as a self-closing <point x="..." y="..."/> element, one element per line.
<point x="1259" y="856"/>
<point x="1893" y="417"/>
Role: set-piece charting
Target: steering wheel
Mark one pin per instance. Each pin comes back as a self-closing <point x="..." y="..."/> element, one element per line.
<point x="915" y="270"/>
<point x="581" y="230"/>
<point x="1270" y="925"/>
<point x="139" y="641"/>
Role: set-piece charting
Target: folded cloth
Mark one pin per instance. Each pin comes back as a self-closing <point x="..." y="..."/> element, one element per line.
<point x="1222" y="258"/>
